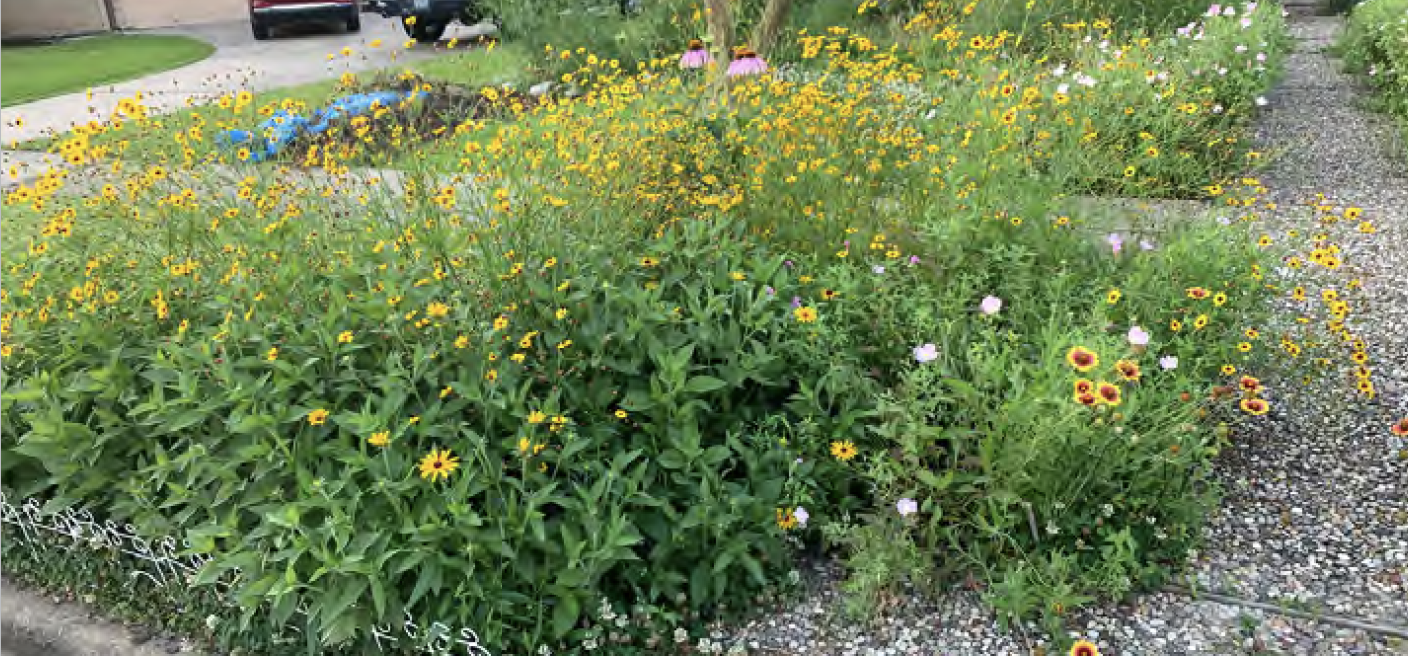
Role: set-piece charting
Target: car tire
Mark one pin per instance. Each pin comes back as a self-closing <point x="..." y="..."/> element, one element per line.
<point x="354" y="21"/>
<point x="259" y="28"/>
<point x="428" y="31"/>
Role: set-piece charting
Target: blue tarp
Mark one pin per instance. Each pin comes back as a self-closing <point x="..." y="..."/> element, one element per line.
<point x="283" y="127"/>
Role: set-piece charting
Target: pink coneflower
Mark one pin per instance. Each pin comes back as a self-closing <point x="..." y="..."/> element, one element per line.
<point x="747" y="62"/>
<point x="696" y="56"/>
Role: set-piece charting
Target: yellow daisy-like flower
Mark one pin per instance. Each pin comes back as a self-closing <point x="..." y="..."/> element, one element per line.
<point x="461" y="342"/>
<point x="843" y="450"/>
<point x="318" y="417"/>
<point x="437" y="310"/>
<point x="1113" y="296"/>
<point x="501" y="322"/>
<point x="805" y="314"/>
<point x="438" y="464"/>
<point x="272" y="354"/>
<point x="537" y="417"/>
<point x="344" y="337"/>
<point x="738" y="275"/>
<point x="380" y="438"/>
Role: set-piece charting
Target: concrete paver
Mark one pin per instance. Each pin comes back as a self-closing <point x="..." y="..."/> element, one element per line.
<point x="239" y="62"/>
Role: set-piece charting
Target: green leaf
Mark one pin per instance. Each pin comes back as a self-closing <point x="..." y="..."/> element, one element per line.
<point x="672" y="459"/>
<point x="564" y="615"/>
<point x="928" y="478"/>
<point x="703" y="384"/>
<point x="341" y="597"/>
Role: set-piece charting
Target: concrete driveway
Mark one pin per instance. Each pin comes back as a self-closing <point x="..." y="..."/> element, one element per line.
<point x="294" y="56"/>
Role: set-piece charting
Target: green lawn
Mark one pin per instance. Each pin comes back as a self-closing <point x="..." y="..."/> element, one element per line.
<point x="153" y="141"/>
<point x="33" y="72"/>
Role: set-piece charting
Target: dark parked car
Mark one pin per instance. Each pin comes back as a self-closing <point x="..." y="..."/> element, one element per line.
<point x="264" y="15"/>
<point x="430" y="17"/>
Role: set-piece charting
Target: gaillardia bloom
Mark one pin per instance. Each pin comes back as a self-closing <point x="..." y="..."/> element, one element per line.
<point x="1088" y="399"/>
<point x="1084" y="648"/>
<point x="1400" y="428"/>
<point x="1128" y="370"/>
<point x="1109" y="394"/>
<point x="1084" y="386"/>
<point x="1082" y="358"/>
<point x="696" y="56"/>
<point x="1255" y="406"/>
<point x="1249" y="385"/>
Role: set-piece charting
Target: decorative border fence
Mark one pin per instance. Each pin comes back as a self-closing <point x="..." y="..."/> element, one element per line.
<point x="165" y="561"/>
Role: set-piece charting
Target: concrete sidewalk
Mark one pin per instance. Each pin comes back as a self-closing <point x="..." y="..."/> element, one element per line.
<point x="239" y="62"/>
<point x="33" y="625"/>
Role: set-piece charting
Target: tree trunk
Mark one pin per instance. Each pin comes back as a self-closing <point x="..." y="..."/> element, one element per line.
<point x="765" y="34"/>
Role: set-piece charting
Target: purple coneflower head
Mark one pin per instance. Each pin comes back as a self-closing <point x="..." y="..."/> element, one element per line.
<point x="696" y="56"/>
<point x="747" y="62"/>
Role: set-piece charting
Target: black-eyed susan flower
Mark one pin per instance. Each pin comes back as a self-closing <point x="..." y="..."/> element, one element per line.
<point x="1200" y="322"/>
<point x="380" y="438"/>
<point x="1082" y="359"/>
<point x="318" y="417"/>
<point x="843" y="450"/>
<point x="786" y="520"/>
<point x="1113" y="296"/>
<point x="805" y="314"/>
<point x="438" y="464"/>
<point x="829" y="294"/>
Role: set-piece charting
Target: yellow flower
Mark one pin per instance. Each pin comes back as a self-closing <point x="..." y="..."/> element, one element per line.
<point x="344" y="337"/>
<point x="620" y="414"/>
<point x="461" y="342"/>
<point x="446" y="392"/>
<point x="501" y="322"/>
<point x="438" y="464"/>
<point x="273" y="354"/>
<point x="1113" y="296"/>
<point x="537" y="417"/>
<point x="491" y="375"/>
<point x="437" y="310"/>
<point x="318" y="417"/>
<point x="561" y="313"/>
<point x="564" y="344"/>
<point x="380" y="438"/>
<point x="805" y="314"/>
<point x="736" y="275"/>
<point x="517" y="357"/>
<point x="843" y="450"/>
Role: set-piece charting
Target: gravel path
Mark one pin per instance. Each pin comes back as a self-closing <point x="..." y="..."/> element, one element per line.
<point x="1316" y="513"/>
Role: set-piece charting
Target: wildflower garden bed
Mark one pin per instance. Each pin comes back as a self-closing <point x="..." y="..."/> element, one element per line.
<point x="669" y="335"/>
<point x="1375" y="44"/>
